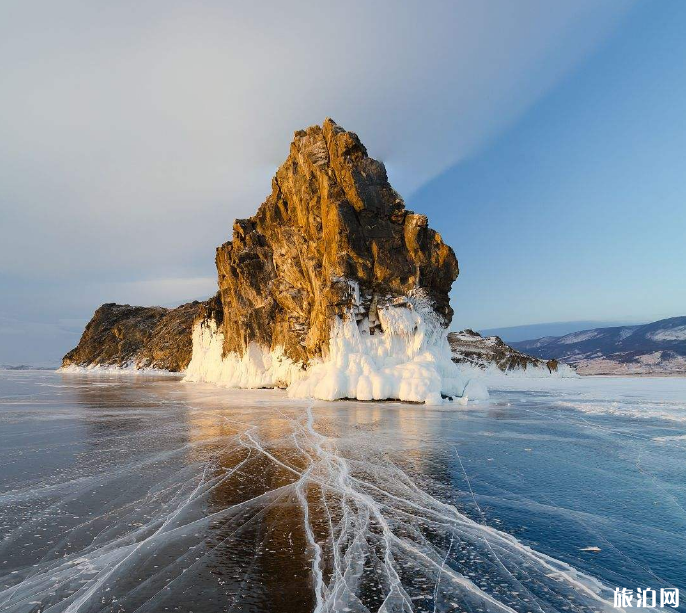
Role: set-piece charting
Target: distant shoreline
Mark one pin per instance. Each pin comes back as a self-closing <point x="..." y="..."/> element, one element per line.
<point x="26" y="367"/>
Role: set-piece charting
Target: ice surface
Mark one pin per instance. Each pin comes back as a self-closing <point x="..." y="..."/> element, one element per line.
<point x="643" y="398"/>
<point x="192" y="498"/>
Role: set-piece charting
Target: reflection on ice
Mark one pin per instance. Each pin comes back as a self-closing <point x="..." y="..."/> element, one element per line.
<point x="180" y="498"/>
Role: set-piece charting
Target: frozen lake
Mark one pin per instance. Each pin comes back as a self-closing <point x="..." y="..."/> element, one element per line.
<point x="134" y="493"/>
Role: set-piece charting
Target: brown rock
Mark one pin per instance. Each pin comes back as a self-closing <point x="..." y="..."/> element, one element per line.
<point x="144" y="337"/>
<point x="332" y="225"/>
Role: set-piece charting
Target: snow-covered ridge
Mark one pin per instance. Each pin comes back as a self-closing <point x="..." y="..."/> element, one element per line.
<point x="578" y="337"/>
<point x="656" y="348"/>
<point x="677" y="333"/>
<point x="407" y="359"/>
<point x="626" y="332"/>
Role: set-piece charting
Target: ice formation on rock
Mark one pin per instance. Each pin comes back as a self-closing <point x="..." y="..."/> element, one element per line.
<point x="405" y="357"/>
<point x="258" y="367"/>
<point x="409" y="360"/>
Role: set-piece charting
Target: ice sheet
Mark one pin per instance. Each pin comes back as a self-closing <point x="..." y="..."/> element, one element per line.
<point x="154" y="495"/>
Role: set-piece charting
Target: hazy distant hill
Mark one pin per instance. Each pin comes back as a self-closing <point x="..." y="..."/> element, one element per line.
<point x="656" y="348"/>
<point x="516" y="334"/>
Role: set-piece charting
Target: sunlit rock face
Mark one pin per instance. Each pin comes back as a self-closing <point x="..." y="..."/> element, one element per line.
<point x="332" y="239"/>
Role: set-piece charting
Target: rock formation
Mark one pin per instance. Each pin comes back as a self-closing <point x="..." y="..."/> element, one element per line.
<point x="470" y="348"/>
<point x="333" y="235"/>
<point x="121" y="335"/>
<point x="332" y="289"/>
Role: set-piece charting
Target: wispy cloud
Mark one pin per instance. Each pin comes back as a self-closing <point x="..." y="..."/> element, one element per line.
<point x="134" y="133"/>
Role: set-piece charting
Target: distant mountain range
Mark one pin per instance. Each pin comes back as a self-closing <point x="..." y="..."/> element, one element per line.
<point x="658" y="348"/>
<point x="513" y="334"/>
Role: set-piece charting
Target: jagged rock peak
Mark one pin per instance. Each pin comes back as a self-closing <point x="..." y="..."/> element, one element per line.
<point x="330" y="260"/>
<point x="332" y="238"/>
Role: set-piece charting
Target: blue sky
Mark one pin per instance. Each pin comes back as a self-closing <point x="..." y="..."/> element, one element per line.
<point x="544" y="140"/>
<point x="578" y="210"/>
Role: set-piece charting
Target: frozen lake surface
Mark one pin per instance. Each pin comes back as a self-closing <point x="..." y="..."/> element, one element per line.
<point x="135" y="493"/>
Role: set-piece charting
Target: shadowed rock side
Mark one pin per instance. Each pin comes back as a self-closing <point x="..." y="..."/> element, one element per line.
<point x="469" y="347"/>
<point x="331" y="219"/>
<point x="141" y="337"/>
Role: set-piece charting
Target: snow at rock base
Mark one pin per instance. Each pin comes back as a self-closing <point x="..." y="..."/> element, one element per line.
<point x="408" y="360"/>
<point x="102" y="369"/>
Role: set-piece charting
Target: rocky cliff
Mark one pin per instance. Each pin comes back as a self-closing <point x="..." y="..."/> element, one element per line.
<point x="469" y="347"/>
<point x="121" y="335"/>
<point x="332" y="289"/>
<point x="332" y="236"/>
